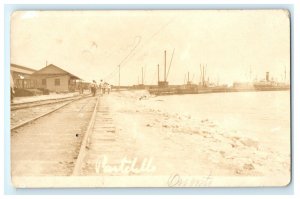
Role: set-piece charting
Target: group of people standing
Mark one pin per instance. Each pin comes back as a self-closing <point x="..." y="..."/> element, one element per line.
<point x="104" y="87"/>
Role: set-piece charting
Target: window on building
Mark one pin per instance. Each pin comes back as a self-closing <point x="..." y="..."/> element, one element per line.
<point x="57" y="82"/>
<point x="44" y="82"/>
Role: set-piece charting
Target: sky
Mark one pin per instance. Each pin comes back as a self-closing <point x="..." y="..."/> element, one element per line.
<point x="234" y="45"/>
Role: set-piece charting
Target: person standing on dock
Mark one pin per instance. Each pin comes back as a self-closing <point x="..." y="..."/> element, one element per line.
<point x="80" y="87"/>
<point x="108" y="88"/>
<point x="105" y="87"/>
<point x="101" y="87"/>
<point x="93" y="88"/>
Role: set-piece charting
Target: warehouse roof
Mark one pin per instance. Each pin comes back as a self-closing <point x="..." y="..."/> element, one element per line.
<point x="52" y="70"/>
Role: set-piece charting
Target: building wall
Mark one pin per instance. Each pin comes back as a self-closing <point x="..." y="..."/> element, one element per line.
<point x="50" y="83"/>
<point x="21" y="70"/>
<point x="22" y="80"/>
<point x="21" y="76"/>
<point x="63" y="84"/>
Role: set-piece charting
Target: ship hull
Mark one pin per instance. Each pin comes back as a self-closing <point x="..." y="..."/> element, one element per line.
<point x="182" y="91"/>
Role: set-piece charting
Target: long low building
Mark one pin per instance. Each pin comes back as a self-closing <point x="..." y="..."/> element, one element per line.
<point x="54" y="79"/>
<point x="51" y="78"/>
<point x="21" y="76"/>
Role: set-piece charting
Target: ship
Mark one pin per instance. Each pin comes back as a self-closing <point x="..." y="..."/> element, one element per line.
<point x="204" y="86"/>
<point x="263" y="85"/>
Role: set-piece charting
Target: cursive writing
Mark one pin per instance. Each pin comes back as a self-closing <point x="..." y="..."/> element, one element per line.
<point x="176" y="180"/>
<point x="125" y="166"/>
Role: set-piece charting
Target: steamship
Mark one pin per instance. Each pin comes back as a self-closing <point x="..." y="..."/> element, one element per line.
<point x="262" y="85"/>
<point x="204" y="86"/>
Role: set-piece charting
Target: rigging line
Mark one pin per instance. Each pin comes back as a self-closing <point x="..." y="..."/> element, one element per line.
<point x="132" y="50"/>
<point x="170" y="63"/>
<point x="122" y="61"/>
<point x="156" y="33"/>
<point x="153" y="35"/>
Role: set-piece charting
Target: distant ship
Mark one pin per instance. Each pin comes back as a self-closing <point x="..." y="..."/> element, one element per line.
<point x="163" y="87"/>
<point x="262" y="85"/>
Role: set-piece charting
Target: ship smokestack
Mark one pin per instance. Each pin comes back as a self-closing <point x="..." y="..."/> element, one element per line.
<point x="267" y="76"/>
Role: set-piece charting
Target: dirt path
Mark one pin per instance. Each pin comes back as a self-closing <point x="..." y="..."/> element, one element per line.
<point x="49" y="146"/>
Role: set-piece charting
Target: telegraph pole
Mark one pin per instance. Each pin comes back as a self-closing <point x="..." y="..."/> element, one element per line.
<point x="119" y="77"/>
<point x="250" y="73"/>
<point x="157" y="74"/>
<point x="203" y="75"/>
<point x="200" y="81"/>
<point x="142" y="75"/>
<point x="165" y="78"/>
<point x="285" y="74"/>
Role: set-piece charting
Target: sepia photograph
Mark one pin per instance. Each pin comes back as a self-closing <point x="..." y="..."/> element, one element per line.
<point x="150" y="98"/>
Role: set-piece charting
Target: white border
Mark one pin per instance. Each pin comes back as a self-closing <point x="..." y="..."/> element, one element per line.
<point x="296" y="68"/>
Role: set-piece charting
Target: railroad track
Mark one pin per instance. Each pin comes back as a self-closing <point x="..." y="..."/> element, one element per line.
<point x="50" y="147"/>
<point x="60" y="152"/>
<point x="25" y="105"/>
<point x="39" y="114"/>
<point x="101" y="138"/>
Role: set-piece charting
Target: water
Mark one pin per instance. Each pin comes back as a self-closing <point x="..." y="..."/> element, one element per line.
<point x="264" y="116"/>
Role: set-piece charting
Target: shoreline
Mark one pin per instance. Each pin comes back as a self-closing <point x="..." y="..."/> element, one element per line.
<point x="179" y="137"/>
<point x="171" y="149"/>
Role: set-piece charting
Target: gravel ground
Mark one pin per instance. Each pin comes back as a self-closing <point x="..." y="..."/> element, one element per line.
<point x="19" y="116"/>
<point x="18" y="100"/>
<point x="50" y="145"/>
<point x="129" y="128"/>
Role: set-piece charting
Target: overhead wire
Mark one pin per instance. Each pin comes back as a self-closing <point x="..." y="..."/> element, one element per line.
<point x="132" y="51"/>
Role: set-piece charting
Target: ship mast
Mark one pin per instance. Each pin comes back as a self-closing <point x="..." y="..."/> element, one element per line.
<point x="250" y="73"/>
<point x="284" y="73"/>
<point x="157" y="73"/>
<point x="165" y="75"/>
<point x="203" y="74"/>
<point x="142" y="75"/>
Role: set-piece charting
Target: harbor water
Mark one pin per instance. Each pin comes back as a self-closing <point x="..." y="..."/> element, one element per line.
<point x="263" y="116"/>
